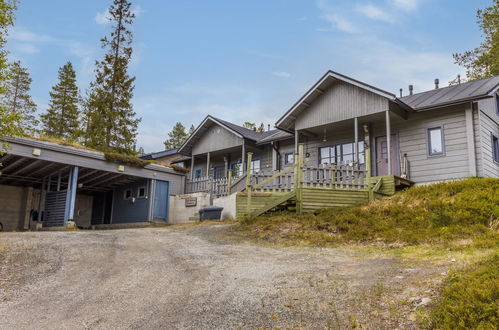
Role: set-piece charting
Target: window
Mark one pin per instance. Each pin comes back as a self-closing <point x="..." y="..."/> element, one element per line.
<point x="289" y="158"/>
<point x="435" y="141"/>
<point x="237" y="170"/>
<point x="495" y="148"/>
<point x="198" y="173"/>
<point x="127" y="194"/>
<point x="141" y="192"/>
<point x="497" y="104"/>
<point x="255" y="165"/>
<point x="341" y="153"/>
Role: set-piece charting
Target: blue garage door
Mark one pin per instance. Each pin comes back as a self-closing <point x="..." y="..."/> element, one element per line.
<point x="161" y="200"/>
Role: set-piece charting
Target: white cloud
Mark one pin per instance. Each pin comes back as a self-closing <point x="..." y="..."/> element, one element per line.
<point x="137" y="10"/>
<point x="373" y="12"/>
<point x="26" y="48"/>
<point x="102" y="17"/>
<point x="281" y="74"/>
<point x="335" y="19"/>
<point x="407" y="5"/>
<point x="20" y="33"/>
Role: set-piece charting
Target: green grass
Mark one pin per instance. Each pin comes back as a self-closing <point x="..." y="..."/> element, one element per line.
<point x="462" y="213"/>
<point x="469" y="298"/>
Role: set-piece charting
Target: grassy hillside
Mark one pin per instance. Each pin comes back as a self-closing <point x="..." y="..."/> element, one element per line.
<point x="466" y="210"/>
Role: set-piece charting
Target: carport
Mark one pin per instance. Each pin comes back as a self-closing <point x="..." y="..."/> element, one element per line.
<point x="48" y="184"/>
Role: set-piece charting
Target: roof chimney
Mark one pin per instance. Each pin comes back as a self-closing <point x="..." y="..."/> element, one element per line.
<point x="459" y="79"/>
<point x="411" y="89"/>
<point x="268" y="127"/>
<point x="436" y="83"/>
<point x="401" y="92"/>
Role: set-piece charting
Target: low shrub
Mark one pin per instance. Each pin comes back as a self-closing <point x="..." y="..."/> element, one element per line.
<point x="435" y="213"/>
<point x="469" y="298"/>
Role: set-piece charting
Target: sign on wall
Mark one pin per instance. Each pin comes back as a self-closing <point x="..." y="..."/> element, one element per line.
<point x="191" y="201"/>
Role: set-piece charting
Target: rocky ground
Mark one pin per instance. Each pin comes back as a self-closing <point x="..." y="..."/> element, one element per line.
<point x="192" y="278"/>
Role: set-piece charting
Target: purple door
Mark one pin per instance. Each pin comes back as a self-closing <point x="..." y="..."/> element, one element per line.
<point x="382" y="156"/>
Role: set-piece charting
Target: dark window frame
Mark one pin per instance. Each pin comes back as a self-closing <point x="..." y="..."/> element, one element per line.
<point x="497" y="103"/>
<point x="494" y="139"/>
<point x="339" y="155"/>
<point x="139" y="195"/>
<point x="429" y="141"/>
<point x="286" y="155"/>
<point x="196" y="170"/>
<point x="125" y="197"/>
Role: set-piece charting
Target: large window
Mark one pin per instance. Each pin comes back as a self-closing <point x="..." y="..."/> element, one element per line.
<point x="341" y="153"/>
<point x="435" y="141"/>
<point x="198" y="173"/>
<point x="255" y="166"/>
<point x="495" y="148"/>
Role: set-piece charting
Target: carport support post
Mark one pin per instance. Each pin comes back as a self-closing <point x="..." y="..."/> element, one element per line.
<point x="71" y="195"/>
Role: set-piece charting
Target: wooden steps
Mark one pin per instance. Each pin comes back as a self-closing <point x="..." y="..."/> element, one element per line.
<point x="261" y="202"/>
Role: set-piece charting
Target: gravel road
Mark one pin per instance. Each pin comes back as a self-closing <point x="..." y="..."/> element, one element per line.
<point x="191" y="278"/>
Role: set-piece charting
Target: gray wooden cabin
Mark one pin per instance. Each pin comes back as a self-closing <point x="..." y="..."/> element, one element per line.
<point x="442" y="134"/>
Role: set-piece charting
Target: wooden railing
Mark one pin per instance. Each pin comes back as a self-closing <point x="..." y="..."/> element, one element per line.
<point x="335" y="176"/>
<point x="218" y="187"/>
<point x="274" y="180"/>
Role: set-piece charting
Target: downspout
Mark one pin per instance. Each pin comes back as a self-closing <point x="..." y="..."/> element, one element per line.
<point x="275" y="146"/>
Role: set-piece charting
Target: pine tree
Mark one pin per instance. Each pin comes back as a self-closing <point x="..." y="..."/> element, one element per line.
<point x="191" y="130"/>
<point x="62" y="117"/>
<point x="483" y="62"/>
<point x="176" y="137"/>
<point x="17" y="99"/>
<point x="9" y="121"/>
<point x="111" y="120"/>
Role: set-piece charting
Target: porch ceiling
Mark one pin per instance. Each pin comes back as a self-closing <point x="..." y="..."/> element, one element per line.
<point x="24" y="171"/>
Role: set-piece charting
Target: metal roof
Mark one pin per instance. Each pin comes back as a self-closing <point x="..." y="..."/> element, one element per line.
<point x="277" y="135"/>
<point x="452" y="94"/>
<point x="159" y="154"/>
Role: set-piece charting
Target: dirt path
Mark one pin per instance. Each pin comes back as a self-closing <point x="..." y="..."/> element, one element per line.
<point x="188" y="278"/>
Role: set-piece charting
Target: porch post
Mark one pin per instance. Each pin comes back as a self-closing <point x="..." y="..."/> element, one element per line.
<point x="356" y="134"/>
<point x="297" y="140"/>
<point x="388" y="142"/>
<point x="243" y="158"/>
<point x="208" y="165"/>
<point x="226" y="166"/>
<point x="71" y="194"/>
<point x="192" y="167"/>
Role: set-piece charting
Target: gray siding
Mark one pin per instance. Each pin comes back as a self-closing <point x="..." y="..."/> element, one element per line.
<point x="124" y="211"/>
<point x="216" y="138"/>
<point x="341" y="101"/>
<point x="487" y="126"/>
<point x="12" y="209"/>
<point x="478" y="142"/>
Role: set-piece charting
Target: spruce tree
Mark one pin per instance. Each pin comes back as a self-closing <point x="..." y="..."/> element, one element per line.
<point x="9" y="121"/>
<point x="62" y="117"/>
<point x="111" y="120"/>
<point x="17" y="99"/>
<point x="191" y="130"/>
<point x="176" y="137"/>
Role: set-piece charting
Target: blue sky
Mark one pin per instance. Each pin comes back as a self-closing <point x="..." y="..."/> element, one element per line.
<point x="245" y="60"/>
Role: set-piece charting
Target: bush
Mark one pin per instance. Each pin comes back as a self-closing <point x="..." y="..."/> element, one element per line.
<point x="470" y="298"/>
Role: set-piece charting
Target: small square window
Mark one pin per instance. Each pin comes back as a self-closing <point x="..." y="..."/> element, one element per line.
<point x="289" y="158"/>
<point x="435" y="141"/>
<point x="198" y="173"/>
<point x="127" y="194"/>
<point x="141" y="192"/>
<point x="495" y="148"/>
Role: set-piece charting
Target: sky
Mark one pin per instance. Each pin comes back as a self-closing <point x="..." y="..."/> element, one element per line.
<point x="245" y="60"/>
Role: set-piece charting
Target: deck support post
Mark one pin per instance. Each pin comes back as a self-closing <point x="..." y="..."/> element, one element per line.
<point x="297" y="140"/>
<point x="229" y="182"/>
<point x="356" y="138"/>
<point x="388" y="142"/>
<point x="248" y="184"/>
<point x="299" y="179"/>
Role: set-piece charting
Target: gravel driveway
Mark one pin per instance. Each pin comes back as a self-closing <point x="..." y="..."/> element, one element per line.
<point x="191" y="278"/>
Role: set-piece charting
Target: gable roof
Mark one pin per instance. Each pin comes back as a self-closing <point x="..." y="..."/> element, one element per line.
<point x="318" y="89"/>
<point x="453" y="94"/>
<point x="237" y="130"/>
<point x="275" y="135"/>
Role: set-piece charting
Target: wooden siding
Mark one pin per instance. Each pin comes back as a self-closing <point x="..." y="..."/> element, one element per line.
<point x="258" y="201"/>
<point x="316" y="198"/>
<point x="214" y="139"/>
<point x="341" y="101"/>
<point x="124" y="211"/>
<point x="487" y="126"/>
<point x="478" y="142"/>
